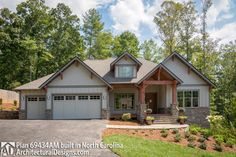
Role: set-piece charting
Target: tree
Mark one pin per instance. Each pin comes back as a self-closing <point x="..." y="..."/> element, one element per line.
<point x="167" y="21"/>
<point x="187" y="28"/>
<point x="126" y="42"/>
<point x="65" y="40"/>
<point x="91" y="28"/>
<point x="151" y="51"/>
<point x="206" y="4"/>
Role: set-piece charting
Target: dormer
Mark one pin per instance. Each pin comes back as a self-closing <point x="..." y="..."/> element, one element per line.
<point x="125" y="66"/>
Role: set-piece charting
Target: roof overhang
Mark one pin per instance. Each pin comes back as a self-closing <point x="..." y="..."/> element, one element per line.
<point x="124" y="55"/>
<point x="179" y="81"/>
<point x="66" y="66"/>
<point x="190" y="66"/>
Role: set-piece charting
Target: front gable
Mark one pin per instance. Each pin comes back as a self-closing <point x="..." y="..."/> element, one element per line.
<point x="76" y="75"/>
<point x="185" y="71"/>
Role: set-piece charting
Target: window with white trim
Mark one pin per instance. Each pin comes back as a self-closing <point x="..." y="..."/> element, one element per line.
<point x="59" y="97"/>
<point x="188" y="98"/>
<point x="125" y="71"/>
<point x="42" y="99"/>
<point x="70" y="97"/>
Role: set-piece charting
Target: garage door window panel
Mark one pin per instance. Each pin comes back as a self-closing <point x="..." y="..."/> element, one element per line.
<point x="70" y="97"/>
<point x="33" y="99"/>
<point x="58" y="97"/>
<point x="94" y="97"/>
<point x="83" y="97"/>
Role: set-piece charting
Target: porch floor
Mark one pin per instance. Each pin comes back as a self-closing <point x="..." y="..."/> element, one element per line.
<point x="153" y="126"/>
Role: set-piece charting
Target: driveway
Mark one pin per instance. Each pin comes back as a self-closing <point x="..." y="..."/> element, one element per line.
<point x="75" y="131"/>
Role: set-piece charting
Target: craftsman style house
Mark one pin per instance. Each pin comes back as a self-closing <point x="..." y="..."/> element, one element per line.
<point x="108" y="88"/>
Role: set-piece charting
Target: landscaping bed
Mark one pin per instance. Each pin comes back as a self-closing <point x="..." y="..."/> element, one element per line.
<point x="177" y="136"/>
<point x="136" y="146"/>
<point x="121" y="122"/>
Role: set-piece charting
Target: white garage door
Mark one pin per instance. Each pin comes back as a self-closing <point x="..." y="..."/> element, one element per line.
<point x="76" y="107"/>
<point x="36" y="106"/>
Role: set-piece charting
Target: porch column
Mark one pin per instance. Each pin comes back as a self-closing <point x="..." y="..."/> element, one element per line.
<point x="142" y="94"/>
<point x="142" y="106"/>
<point x="174" y="102"/>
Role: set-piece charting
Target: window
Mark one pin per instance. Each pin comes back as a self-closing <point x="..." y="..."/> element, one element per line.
<point x="70" y="97"/>
<point x="59" y="97"/>
<point x="188" y="98"/>
<point x="125" y="71"/>
<point x="41" y="98"/>
<point x="83" y="97"/>
<point x="32" y="99"/>
<point x="94" y="97"/>
<point x="124" y="101"/>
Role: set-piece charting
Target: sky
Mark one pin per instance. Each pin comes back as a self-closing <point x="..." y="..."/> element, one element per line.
<point x="137" y="15"/>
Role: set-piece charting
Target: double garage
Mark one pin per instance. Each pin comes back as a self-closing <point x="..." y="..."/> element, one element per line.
<point x="76" y="106"/>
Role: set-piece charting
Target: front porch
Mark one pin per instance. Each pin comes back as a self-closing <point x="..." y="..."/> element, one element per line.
<point x="155" y="93"/>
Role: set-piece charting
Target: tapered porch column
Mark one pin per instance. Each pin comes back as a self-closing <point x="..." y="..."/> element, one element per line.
<point x="174" y="87"/>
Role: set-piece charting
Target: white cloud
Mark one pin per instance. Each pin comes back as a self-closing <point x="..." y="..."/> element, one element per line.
<point x="78" y="7"/>
<point x="218" y="7"/>
<point x="226" y="33"/>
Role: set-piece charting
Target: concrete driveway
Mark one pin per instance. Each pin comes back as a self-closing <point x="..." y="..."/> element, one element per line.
<point x="75" y="131"/>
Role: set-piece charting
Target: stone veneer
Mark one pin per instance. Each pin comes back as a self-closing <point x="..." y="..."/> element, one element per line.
<point x="198" y="116"/>
<point x="48" y="114"/>
<point x="104" y="114"/>
<point x="22" y="114"/>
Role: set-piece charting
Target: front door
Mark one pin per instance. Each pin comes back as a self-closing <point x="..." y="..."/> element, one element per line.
<point x="151" y="101"/>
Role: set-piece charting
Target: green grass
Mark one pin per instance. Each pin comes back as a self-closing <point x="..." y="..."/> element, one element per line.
<point x="139" y="147"/>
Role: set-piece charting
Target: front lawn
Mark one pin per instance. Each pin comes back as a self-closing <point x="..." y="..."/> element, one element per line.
<point x="139" y="147"/>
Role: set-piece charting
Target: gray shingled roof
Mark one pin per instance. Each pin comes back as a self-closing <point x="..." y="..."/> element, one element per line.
<point x="34" y="84"/>
<point x="102" y="68"/>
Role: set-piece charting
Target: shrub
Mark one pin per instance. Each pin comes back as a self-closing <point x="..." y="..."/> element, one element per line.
<point x="175" y="131"/>
<point x="187" y="134"/>
<point x="206" y="133"/>
<point x="230" y="142"/>
<point x="201" y="139"/>
<point x="194" y="131"/>
<point x="15" y="102"/>
<point x="219" y="139"/>
<point x="150" y="118"/>
<point x="191" y="144"/>
<point x="202" y="145"/>
<point x="182" y="119"/>
<point x="177" y="137"/>
<point x="163" y="130"/>
<point x="126" y="116"/>
<point x="0" y="101"/>
<point x="191" y="138"/>
<point x="149" y="111"/>
<point x="218" y="147"/>
<point x="164" y="134"/>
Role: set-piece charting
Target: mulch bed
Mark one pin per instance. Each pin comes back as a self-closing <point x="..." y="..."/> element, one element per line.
<point x="156" y="135"/>
<point x="120" y="122"/>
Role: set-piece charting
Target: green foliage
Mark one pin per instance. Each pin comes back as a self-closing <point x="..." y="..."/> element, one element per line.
<point x="230" y="142"/>
<point x="175" y="131"/>
<point x="187" y="134"/>
<point x="126" y="42"/>
<point x="194" y="131"/>
<point x="126" y="116"/>
<point x="191" y="145"/>
<point x="219" y="139"/>
<point x="151" y="118"/>
<point x="15" y="102"/>
<point x="201" y="139"/>
<point x="163" y="130"/>
<point x="164" y="134"/>
<point x="206" y="133"/>
<point x="177" y="137"/>
<point x="202" y="145"/>
<point x="218" y="147"/>
<point x="191" y="138"/>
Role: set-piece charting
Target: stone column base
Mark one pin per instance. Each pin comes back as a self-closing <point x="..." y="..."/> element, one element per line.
<point x="48" y="114"/>
<point x="105" y="114"/>
<point x="22" y="114"/>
